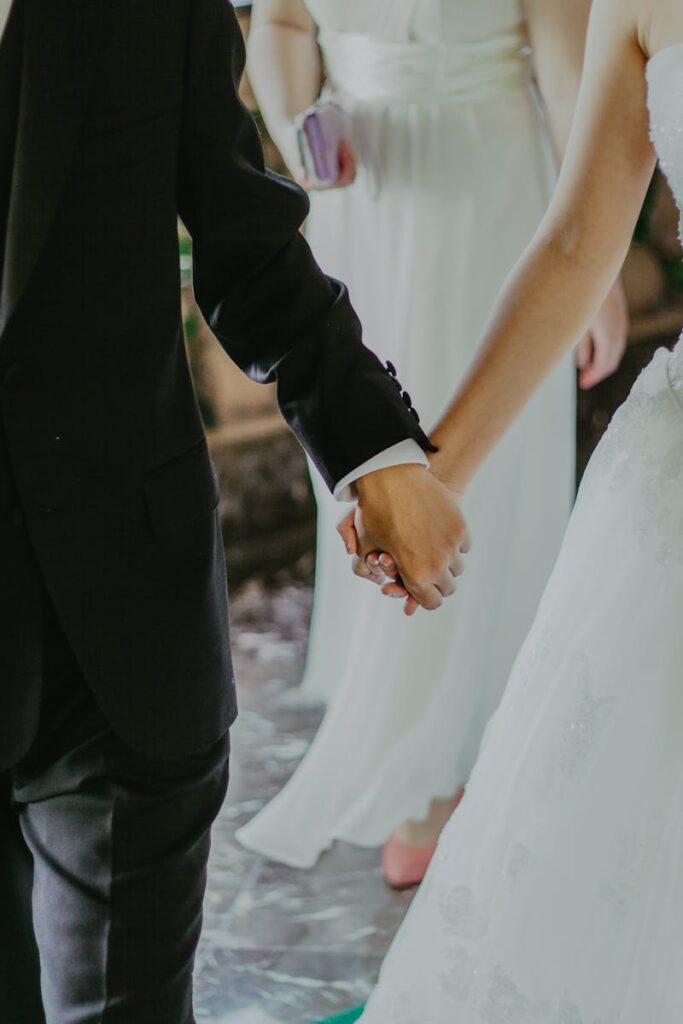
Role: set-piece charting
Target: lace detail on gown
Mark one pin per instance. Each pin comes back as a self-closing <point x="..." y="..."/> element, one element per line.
<point x="676" y="371"/>
<point x="666" y="120"/>
<point x="635" y="858"/>
<point x="631" y="456"/>
<point x="505" y="1004"/>
<point x="583" y="729"/>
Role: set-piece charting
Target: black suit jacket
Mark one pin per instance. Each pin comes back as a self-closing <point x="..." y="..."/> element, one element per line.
<point x="129" y="116"/>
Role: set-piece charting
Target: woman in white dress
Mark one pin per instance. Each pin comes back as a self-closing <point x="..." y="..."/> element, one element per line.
<point x="443" y="96"/>
<point x="556" y="896"/>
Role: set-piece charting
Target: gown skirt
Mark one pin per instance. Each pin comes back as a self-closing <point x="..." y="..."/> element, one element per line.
<point x="425" y="244"/>
<point x="556" y="894"/>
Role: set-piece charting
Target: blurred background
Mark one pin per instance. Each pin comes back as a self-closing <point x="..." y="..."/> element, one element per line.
<point x="281" y="946"/>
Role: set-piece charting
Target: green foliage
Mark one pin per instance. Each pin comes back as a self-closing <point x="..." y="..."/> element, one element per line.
<point x="674" y="274"/>
<point x="642" y="232"/>
<point x="191" y="327"/>
<point x="185" y="255"/>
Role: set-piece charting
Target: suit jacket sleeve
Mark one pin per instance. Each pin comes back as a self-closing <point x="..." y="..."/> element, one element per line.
<point x="271" y="307"/>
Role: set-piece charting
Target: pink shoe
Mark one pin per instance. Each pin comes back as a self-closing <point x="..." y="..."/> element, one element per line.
<point x="405" y="865"/>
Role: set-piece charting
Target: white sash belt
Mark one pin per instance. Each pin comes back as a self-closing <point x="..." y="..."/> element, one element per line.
<point x="376" y="71"/>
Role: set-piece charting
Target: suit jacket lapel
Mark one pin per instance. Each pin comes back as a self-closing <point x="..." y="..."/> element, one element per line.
<point x="50" y="109"/>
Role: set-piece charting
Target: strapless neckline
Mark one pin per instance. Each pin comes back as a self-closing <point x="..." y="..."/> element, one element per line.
<point x="666" y="131"/>
<point x="665" y="92"/>
<point x="667" y="51"/>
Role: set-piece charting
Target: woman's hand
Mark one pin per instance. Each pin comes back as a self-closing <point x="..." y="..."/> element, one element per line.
<point x="348" y="169"/>
<point x="600" y="352"/>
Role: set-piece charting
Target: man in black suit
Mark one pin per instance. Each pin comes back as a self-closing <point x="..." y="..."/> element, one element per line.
<point x="116" y="690"/>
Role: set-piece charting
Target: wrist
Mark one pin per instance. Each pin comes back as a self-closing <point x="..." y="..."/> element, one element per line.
<point x="452" y="476"/>
<point x="284" y="133"/>
<point x="373" y="486"/>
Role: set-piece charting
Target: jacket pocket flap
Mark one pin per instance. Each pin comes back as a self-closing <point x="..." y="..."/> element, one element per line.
<point x="181" y="490"/>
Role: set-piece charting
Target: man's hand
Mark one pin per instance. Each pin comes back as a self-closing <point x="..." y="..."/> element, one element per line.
<point x="599" y="354"/>
<point x="407" y="513"/>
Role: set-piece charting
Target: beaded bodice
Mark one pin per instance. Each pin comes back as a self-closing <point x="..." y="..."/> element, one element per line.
<point x="665" y="97"/>
<point x="665" y="91"/>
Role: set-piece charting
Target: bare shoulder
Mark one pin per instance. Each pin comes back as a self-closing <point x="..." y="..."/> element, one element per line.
<point x="620" y="21"/>
<point x="662" y="25"/>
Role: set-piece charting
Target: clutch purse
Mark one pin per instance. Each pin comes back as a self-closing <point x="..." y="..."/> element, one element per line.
<point x="320" y="130"/>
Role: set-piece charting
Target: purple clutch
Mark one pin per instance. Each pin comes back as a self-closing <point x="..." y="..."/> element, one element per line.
<point x="320" y="131"/>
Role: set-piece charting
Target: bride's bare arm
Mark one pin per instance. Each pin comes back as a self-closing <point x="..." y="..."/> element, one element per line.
<point x="557" y="30"/>
<point x="554" y="292"/>
<point x="284" y="68"/>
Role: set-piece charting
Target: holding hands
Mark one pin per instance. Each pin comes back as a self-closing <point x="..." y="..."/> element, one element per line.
<point x="408" y="535"/>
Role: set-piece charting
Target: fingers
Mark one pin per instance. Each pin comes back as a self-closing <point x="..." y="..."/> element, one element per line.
<point x="457" y="565"/>
<point x="364" y="571"/>
<point x="347" y="165"/>
<point x="584" y="352"/>
<point x="393" y="589"/>
<point x="427" y="595"/>
<point x="601" y="366"/>
<point x="592" y="370"/>
<point x="347" y="173"/>
<point x="412" y="536"/>
<point x="347" y="531"/>
<point x="607" y="351"/>
<point x="389" y="567"/>
<point x="609" y="336"/>
<point x="380" y="561"/>
<point x="392" y="585"/>
<point x="445" y="583"/>
<point x="464" y="548"/>
<point x="373" y="561"/>
<point x="365" y="565"/>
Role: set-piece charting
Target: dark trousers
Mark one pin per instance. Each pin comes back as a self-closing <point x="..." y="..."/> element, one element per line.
<point x="103" y="859"/>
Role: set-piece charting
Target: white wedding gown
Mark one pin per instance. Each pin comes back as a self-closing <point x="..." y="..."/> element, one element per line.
<point x="556" y="895"/>
<point x="443" y="95"/>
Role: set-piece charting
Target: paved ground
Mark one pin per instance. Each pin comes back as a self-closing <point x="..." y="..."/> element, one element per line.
<point x="283" y="946"/>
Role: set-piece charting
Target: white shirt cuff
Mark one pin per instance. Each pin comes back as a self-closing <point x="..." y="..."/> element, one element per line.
<point x="405" y="453"/>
